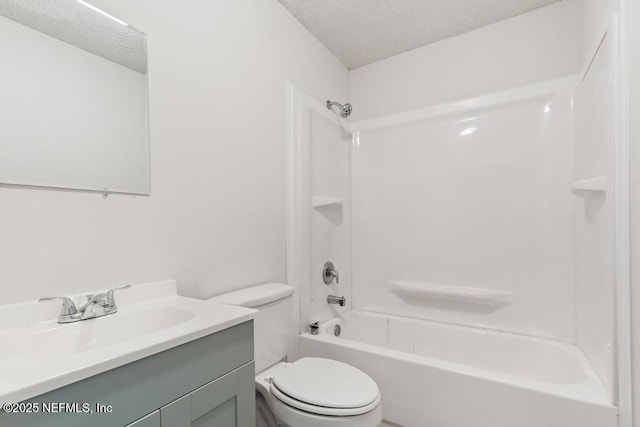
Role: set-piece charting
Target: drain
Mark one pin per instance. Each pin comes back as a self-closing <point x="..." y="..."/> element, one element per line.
<point x="337" y="330"/>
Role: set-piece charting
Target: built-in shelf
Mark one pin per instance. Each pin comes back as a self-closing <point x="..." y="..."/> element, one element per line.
<point x="492" y="297"/>
<point x="321" y="202"/>
<point x="596" y="184"/>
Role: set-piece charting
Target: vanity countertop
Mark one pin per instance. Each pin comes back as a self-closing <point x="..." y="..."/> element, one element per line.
<point x="39" y="355"/>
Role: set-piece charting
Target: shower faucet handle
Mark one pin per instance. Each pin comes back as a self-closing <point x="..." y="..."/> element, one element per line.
<point x="329" y="273"/>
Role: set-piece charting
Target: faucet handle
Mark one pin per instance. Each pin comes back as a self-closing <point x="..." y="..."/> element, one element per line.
<point x="329" y="273"/>
<point x="68" y="306"/>
<point x="110" y="300"/>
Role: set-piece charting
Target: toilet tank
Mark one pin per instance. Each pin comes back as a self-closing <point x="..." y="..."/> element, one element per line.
<point x="272" y="324"/>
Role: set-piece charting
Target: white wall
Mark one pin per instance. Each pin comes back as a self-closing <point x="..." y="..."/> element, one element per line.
<point x="595" y="138"/>
<point x="595" y="280"/>
<point x="330" y="226"/>
<point x="531" y="47"/>
<point x="634" y="95"/>
<point x="540" y="45"/>
<point x="549" y="42"/>
<point x="215" y="219"/>
<point x="71" y="119"/>
<point x="593" y="14"/>
<point x="476" y="199"/>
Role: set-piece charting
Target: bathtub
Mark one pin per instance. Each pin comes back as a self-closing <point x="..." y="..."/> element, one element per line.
<point x="438" y="375"/>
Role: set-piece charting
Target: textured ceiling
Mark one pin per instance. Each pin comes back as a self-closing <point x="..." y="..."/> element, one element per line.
<point x="74" y="23"/>
<point x="359" y="32"/>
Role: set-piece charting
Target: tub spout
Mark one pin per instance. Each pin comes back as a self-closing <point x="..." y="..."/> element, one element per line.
<point x="332" y="299"/>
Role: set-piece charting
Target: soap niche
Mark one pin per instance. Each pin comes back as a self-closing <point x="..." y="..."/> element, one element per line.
<point x="330" y="207"/>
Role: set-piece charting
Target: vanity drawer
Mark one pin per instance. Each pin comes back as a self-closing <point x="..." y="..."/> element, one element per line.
<point x="144" y="386"/>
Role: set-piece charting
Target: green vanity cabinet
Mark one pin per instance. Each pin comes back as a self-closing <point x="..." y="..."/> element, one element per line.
<point x="151" y="420"/>
<point x="203" y="383"/>
<point x="227" y="401"/>
<point x="223" y="402"/>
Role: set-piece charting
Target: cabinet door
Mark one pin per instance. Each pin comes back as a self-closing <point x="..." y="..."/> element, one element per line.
<point x="151" y="420"/>
<point x="228" y="401"/>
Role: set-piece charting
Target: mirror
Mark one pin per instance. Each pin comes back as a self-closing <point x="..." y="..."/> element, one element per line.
<point x="74" y="103"/>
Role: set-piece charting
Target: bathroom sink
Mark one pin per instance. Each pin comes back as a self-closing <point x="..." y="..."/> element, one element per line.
<point x="44" y="341"/>
<point x="38" y="354"/>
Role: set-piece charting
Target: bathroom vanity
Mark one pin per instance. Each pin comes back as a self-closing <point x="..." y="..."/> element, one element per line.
<point x="202" y="375"/>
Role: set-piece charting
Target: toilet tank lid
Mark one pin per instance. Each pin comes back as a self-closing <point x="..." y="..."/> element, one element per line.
<point x="255" y="296"/>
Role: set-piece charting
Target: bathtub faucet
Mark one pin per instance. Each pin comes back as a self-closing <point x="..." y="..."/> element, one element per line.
<point x="332" y="299"/>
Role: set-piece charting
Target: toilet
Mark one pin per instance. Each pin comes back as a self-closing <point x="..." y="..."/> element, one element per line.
<point x="310" y="392"/>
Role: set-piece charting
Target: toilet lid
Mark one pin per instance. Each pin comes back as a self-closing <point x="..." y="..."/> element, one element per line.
<point x="325" y="383"/>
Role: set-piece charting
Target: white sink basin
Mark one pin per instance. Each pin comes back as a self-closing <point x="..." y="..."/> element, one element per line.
<point x="47" y="340"/>
<point x="38" y="355"/>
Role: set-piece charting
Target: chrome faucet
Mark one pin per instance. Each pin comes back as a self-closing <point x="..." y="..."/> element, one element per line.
<point x="87" y="306"/>
<point x="332" y="299"/>
<point x="329" y="273"/>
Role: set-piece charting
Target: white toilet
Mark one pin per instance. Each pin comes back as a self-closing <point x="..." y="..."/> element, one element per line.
<point x="311" y="392"/>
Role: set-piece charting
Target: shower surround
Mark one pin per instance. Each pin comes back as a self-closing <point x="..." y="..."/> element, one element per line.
<point x="483" y="226"/>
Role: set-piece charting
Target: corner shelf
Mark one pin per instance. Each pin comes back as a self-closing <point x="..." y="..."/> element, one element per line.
<point x="321" y="202"/>
<point x="490" y="297"/>
<point x="596" y="184"/>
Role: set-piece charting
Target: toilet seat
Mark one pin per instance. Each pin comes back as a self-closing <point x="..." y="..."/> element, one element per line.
<point x="321" y="410"/>
<point x="325" y="387"/>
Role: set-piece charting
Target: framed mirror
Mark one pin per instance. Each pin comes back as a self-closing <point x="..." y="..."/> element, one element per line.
<point x="74" y="101"/>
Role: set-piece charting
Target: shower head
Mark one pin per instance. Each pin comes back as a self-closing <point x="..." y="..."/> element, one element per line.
<point x="345" y="110"/>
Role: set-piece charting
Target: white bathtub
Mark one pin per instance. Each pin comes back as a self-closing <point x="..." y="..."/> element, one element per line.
<point x="437" y="375"/>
